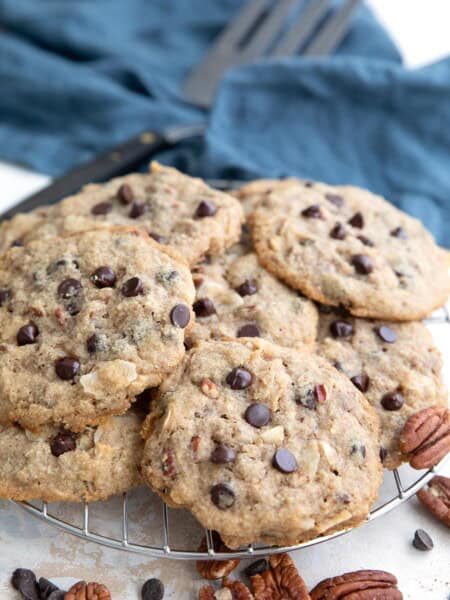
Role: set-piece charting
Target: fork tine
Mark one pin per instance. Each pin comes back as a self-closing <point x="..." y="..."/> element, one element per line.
<point x="334" y="30"/>
<point x="301" y="30"/>
<point x="239" y="25"/>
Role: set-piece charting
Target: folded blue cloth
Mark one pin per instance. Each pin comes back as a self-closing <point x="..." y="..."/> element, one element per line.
<point x="77" y="77"/>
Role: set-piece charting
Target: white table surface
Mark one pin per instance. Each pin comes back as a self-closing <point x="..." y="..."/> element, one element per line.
<point x="421" y="30"/>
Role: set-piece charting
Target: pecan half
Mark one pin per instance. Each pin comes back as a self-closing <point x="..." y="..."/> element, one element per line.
<point x="281" y="582"/>
<point x="88" y="591"/>
<point x="426" y="437"/>
<point x="215" y="569"/>
<point x="358" y="585"/>
<point x="236" y="591"/>
<point x="436" y="497"/>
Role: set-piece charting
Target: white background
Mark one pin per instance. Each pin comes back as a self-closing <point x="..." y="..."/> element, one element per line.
<point x="421" y="29"/>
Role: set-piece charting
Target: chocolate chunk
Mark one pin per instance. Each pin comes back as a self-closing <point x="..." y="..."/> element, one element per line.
<point x="257" y="567"/>
<point x="366" y="241"/>
<point x="392" y="401"/>
<point x="161" y="239"/>
<point x="362" y="263"/>
<point x="133" y="287"/>
<point x="313" y="212"/>
<point x="335" y="199"/>
<point x="25" y="582"/>
<point x="27" y="334"/>
<point x="137" y="210"/>
<point x="153" y="589"/>
<point x="92" y="344"/>
<point x="204" y="307"/>
<point x="357" y="220"/>
<point x="223" y="454"/>
<point x="338" y="232"/>
<point x="63" y="442"/>
<point x="386" y="334"/>
<point x="68" y="288"/>
<point x="250" y="330"/>
<point x="206" y="208"/>
<point x="422" y="541"/>
<point x="102" y="208"/>
<point x="358" y="449"/>
<point x="284" y="461"/>
<point x="103" y="277"/>
<point x="248" y="288"/>
<point x="239" y="378"/>
<point x="222" y="495"/>
<point x="361" y="382"/>
<point x="4" y="296"/>
<point x="341" y="329"/>
<point x="67" y="368"/>
<point x="180" y="315"/>
<point x="383" y="454"/>
<point x="257" y="415"/>
<point x="400" y="233"/>
<point x="125" y="194"/>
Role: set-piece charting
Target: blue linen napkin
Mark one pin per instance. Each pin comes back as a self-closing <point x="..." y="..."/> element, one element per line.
<point x="77" y="77"/>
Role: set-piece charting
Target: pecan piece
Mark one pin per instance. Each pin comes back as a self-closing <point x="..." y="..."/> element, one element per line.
<point x="281" y="582"/>
<point x="206" y="593"/>
<point x="437" y="498"/>
<point x="215" y="569"/>
<point x="358" y="585"/>
<point x="209" y="388"/>
<point x="88" y="591"/>
<point x="426" y="436"/>
<point x="237" y="589"/>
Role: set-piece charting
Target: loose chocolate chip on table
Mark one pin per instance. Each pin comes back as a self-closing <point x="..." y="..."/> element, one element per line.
<point x="338" y="232"/>
<point x="357" y="220"/>
<point x="153" y="589"/>
<point x="248" y="288"/>
<point x="67" y="368"/>
<point x="392" y="401"/>
<point x="102" y="208"/>
<point x="399" y="232"/>
<point x="205" y="209"/>
<point x="383" y="454"/>
<point x="25" y="582"/>
<point x="180" y="315"/>
<point x="63" y="442"/>
<point x="138" y="209"/>
<point x="341" y="329"/>
<point x="92" y="344"/>
<point x="4" y="296"/>
<point x="386" y="334"/>
<point x="69" y="288"/>
<point x="362" y="263"/>
<point x="284" y="461"/>
<point x="361" y="382"/>
<point x="422" y="541"/>
<point x="257" y="567"/>
<point x="313" y="212"/>
<point x="249" y="330"/>
<point x="223" y="454"/>
<point x="49" y="591"/>
<point x="366" y="241"/>
<point x="335" y="199"/>
<point x="239" y="378"/>
<point x="222" y="495"/>
<point x="257" y="415"/>
<point x="103" y="277"/>
<point x="204" y="307"/>
<point x="125" y="194"/>
<point x="27" y="334"/>
<point x="133" y="287"/>
<point x="161" y="239"/>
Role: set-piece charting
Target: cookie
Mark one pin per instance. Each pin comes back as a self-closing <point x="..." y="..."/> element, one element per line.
<point x="276" y="445"/>
<point x="22" y="226"/>
<point x="345" y="246"/>
<point x="395" y="365"/>
<point x="56" y="464"/>
<point x="175" y="209"/>
<point x="236" y="297"/>
<point x="87" y="322"/>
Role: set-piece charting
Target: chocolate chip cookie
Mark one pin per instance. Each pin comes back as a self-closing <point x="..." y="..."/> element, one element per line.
<point x="56" y="464"/>
<point x="276" y="445"/>
<point x="345" y="246"/>
<point x="395" y="365"/>
<point x="87" y="322"/>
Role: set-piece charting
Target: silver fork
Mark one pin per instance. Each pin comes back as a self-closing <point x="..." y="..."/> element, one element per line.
<point x="259" y="30"/>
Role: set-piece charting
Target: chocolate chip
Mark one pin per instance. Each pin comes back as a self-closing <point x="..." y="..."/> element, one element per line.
<point x="335" y="199"/>
<point x="68" y="288"/>
<point x="102" y="208"/>
<point x="222" y="495"/>
<point x="161" y="239"/>
<point x="125" y="194"/>
<point x="392" y="401"/>
<point x="338" y="232"/>
<point x="362" y="263"/>
<point x="25" y="582"/>
<point x="361" y="382"/>
<point x="223" y="454"/>
<point x="239" y="378"/>
<point x="27" y="334"/>
<point x="103" y="277"/>
<point x="308" y="184"/>
<point x="400" y="233"/>
<point x="422" y="541"/>
<point x="92" y="344"/>
<point x="204" y="307"/>
<point x="205" y="209"/>
<point x="248" y="288"/>
<point x="138" y="209"/>
<point x="357" y="220"/>
<point x="341" y="329"/>
<point x="4" y="296"/>
<point x="67" y="368"/>
<point x="257" y="567"/>
<point x="63" y="442"/>
<point x="366" y="241"/>
<point x="257" y="415"/>
<point x="386" y="334"/>
<point x="49" y="591"/>
<point x="284" y="461"/>
<point x="358" y="449"/>
<point x="180" y="315"/>
<point x="16" y="243"/>
<point x="249" y="330"/>
<point x="383" y="454"/>
<point x="133" y="287"/>
<point x="153" y="589"/>
<point x="313" y="212"/>
<point x="307" y="399"/>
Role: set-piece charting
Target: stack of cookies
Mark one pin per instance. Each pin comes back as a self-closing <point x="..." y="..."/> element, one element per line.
<point x="254" y="357"/>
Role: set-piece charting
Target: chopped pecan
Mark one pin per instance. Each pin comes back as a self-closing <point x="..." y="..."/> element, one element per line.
<point x="215" y="569"/>
<point x="436" y="497"/>
<point x="209" y="388"/>
<point x="426" y="437"/>
<point x="88" y="591"/>
<point x="281" y="582"/>
<point x="359" y="585"/>
<point x="206" y="593"/>
<point x="195" y="441"/>
<point x="236" y="591"/>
